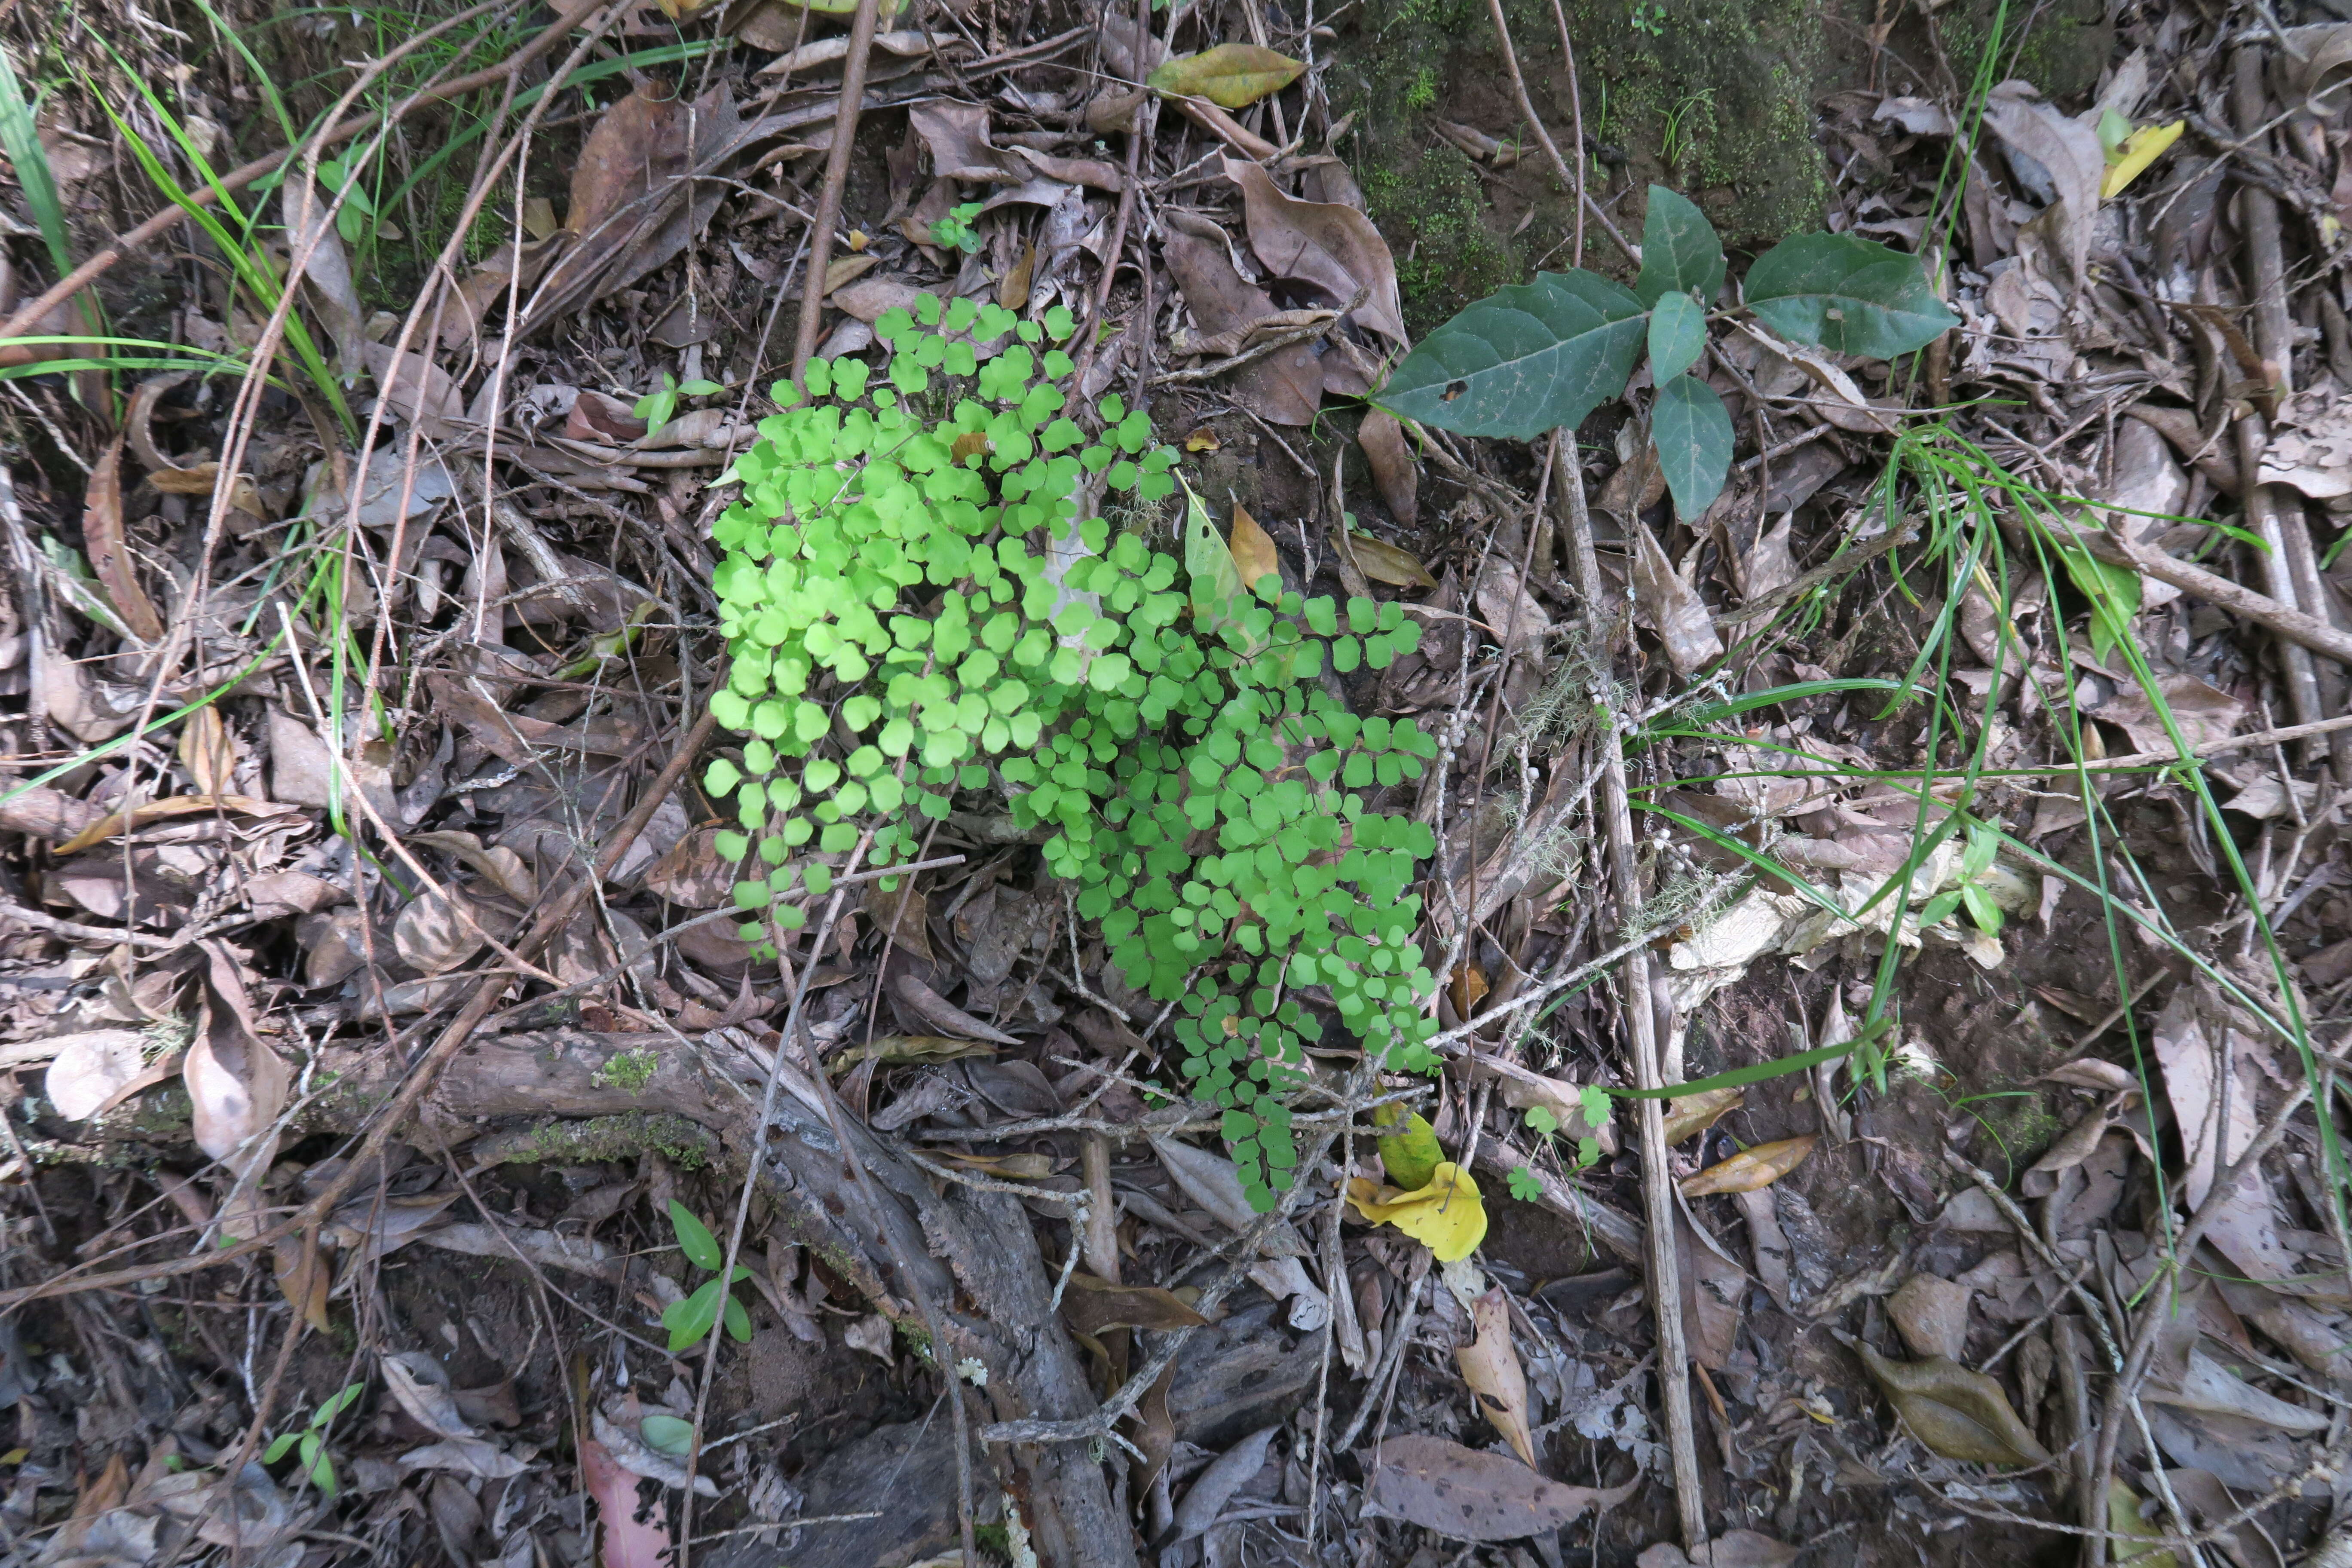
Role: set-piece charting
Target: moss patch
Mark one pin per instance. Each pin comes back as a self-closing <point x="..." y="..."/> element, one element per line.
<point x="596" y="1139"/>
<point x="1711" y="96"/>
<point x="630" y="1070"/>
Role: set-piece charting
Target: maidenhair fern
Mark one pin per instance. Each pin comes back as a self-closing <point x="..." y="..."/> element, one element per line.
<point x="922" y="615"/>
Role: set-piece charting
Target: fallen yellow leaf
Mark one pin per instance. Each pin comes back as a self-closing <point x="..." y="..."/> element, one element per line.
<point x="2141" y="148"/>
<point x="1446" y="1216"/>
<point x="1409" y="1153"/>
<point x="1252" y="549"/>
<point x="1695" y="1112"/>
<point x="1751" y="1168"/>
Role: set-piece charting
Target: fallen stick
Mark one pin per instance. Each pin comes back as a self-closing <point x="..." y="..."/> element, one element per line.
<point x="1641" y="1023"/>
<point x="2283" y="620"/>
<point x="837" y="179"/>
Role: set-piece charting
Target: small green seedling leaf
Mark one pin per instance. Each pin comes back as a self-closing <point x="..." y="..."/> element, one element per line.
<point x="668" y="1435"/>
<point x="1523" y="1183"/>
<point x="694" y="1237"/>
<point x="1846" y="294"/>
<point x="1678" y="336"/>
<point x="1541" y="1117"/>
<point x="1680" y="252"/>
<point x="1693" y="436"/>
<point x="689" y="1321"/>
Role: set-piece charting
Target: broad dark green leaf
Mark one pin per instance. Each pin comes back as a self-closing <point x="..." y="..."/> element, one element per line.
<point x="1693" y="436"/>
<point x="1679" y="250"/>
<point x="1848" y="295"/>
<point x="694" y="1237"/>
<point x="1678" y="336"/>
<point x="1530" y="358"/>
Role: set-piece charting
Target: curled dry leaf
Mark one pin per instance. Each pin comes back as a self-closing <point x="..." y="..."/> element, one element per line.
<point x="1467" y="1495"/>
<point x="873" y="1334"/>
<point x="2065" y="151"/>
<point x="1696" y="1112"/>
<point x="1093" y="1305"/>
<point x="1490" y="1365"/>
<point x="1215" y="1486"/>
<point x="1384" y="563"/>
<point x="1394" y="470"/>
<point x="1673" y="606"/>
<point x="1212" y="1181"/>
<point x="1333" y="247"/>
<point x="1285" y="387"/>
<point x="1959" y="1414"/>
<point x="942" y="1013"/>
<point x="109" y="554"/>
<point x="1751" y="1168"/>
<point x="421" y="1386"/>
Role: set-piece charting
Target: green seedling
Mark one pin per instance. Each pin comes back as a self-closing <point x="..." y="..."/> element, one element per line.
<point x="311" y="1440"/>
<point x="689" y="1321"/>
<point x="659" y="408"/>
<point x="953" y="229"/>
<point x="1649" y="16"/>
<point x="922" y="618"/>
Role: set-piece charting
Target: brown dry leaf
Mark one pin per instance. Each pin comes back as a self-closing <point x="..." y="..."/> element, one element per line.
<point x="629" y="1541"/>
<point x="904" y="914"/>
<point x="1768" y="1242"/>
<point x="873" y="1335"/>
<point x="1467" y="1495"/>
<point x="2247" y="1230"/>
<point x="1283" y="388"/>
<point x="1384" y="563"/>
<point x="1524" y="1088"/>
<point x="1335" y="248"/>
<point x="138" y="816"/>
<point x="1751" y="1168"/>
<point x="1491" y="1367"/>
<point x="1931" y="1313"/>
<point x="1013" y="288"/>
<point x="2310" y="449"/>
<point x="2069" y="153"/>
<point x="908" y="1049"/>
<point x="1715" y="1291"/>
<point x="413" y="389"/>
<point x="630" y="210"/>
<point x="1253" y="550"/>
<point x="1202" y="440"/>
<point x="90" y="1069"/>
<point x="437" y="933"/>
<point x="957" y="135"/>
<point x="304" y="1278"/>
<point x="237" y="1085"/>
<point x="1012" y="1167"/>
<point x="2204" y="712"/>
<point x="1959" y="1414"/>
<point x="110" y="556"/>
<point x="1093" y="1305"/>
<point x="940" y="1012"/>
<point x="208" y="750"/>
<point x="692" y="874"/>
<point x="1393" y="469"/>
<point x="1696" y="1112"/>
<point x="500" y="865"/>
<point x="1673" y="606"/>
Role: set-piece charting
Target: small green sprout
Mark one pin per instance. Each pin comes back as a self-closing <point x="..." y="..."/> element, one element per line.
<point x="689" y="1321"/>
<point x="659" y="408"/>
<point x="1524" y="1184"/>
<point x="312" y="1440"/>
<point x="953" y="229"/>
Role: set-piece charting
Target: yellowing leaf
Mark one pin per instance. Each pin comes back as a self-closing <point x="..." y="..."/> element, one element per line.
<point x="1959" y="1414"/>
<point x="1202" y="440"/>
<point x="1231" y="76"/>
<point x="1252" y="549"/>
<point x="1751" y="1168"/>
<point x="1446" y="1216"/>
<point x="2123" y="1518"/>
<point x="2141" y="148"/>
<point x="1384" y="563"/>
<point x="1409" y="1154"/>
<point x="1696" y="1112"/>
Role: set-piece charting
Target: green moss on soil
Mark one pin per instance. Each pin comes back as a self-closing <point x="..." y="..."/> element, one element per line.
<point x="596" y="1139"/>
<point x="1726" y="86"/>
